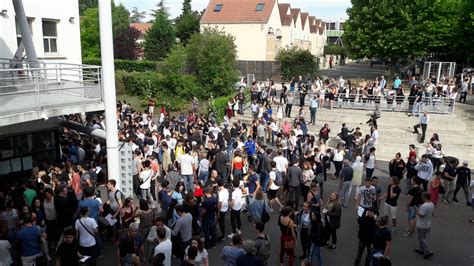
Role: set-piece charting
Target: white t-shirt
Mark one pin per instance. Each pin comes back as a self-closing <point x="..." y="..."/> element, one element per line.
<point x="237" y="198"/>
<point x="199" y="260"/>
<point x="224" y="199"/>
<point x="165" y="248"/>
<point x="273" y="177"/>
<point x="86" y="239"/>
<point x="375" y="137"/>
<point x="204" y="165"/>
<point x="146" y="178"/>
<point x="371" y="162"/>
<point x="281" y="163"/>
<point x="186" y="161"/>
<point x="338" y="156"/>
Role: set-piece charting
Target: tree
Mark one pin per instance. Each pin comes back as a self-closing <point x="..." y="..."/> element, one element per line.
<point x="160" y="37"/>
<point x="212" y="55"/>
<point x="394" y="29"/>
<point x="125" y="43"/>
<point x="160" y="6"/>
<point x="137" y="16"/>
<point x="295" y="62"/>
<point x="187" y="23"/>
<point x="90" y="36"/>
<point x="85" y="4"/>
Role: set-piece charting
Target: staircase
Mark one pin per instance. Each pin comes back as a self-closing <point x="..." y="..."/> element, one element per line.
<point x="395" y="129"/>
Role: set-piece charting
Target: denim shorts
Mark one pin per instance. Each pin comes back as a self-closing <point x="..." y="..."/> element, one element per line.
<point x="411" y="213"/>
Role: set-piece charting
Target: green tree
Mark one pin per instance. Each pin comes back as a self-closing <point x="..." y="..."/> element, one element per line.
<point x="187" y="23"/>
<point x="137" y="16"/>
<point x="212" y="55"/>
<point x="394" y="29"/>
<point x="85" y="4"/>
<point x="295" y="62"/>
<point x="90" y="36"/>
<point x="160" y="38"/>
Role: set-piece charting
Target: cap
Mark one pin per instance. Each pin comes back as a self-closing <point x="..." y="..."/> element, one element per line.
<point x="466" y="162"/>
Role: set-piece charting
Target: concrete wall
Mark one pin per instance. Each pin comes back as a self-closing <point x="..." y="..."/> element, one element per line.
<point x="69" y="44"/>
<point x="262" y="70"/>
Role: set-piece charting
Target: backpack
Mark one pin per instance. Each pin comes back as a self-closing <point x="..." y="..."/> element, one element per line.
<point x="278" y="178"/>
<point x="263" y="247"/>
<point x="122" y="196"/>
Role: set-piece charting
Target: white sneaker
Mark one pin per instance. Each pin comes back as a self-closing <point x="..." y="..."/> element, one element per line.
<point x="230" y="236"/>
<point x="239" y="232"/>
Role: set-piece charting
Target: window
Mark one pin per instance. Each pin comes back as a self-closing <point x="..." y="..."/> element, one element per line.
<point x="218" y="8"/>
<point x="332" y="26"/>
<point x="18" y="32"/>
<point x="341" y="26"/>
<point x="260" y="7"/>
<point x="50" y="36"/>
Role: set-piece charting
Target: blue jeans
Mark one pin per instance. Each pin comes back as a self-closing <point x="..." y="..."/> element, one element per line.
<point x="264" y="181"/>
<point x="316" y="255"/>
<point x="416" y="108"/>
<point x="223" y="175"/>
<point x="238" y="174"/>
<point x="203" y="177"/>
<point x="189" y="182"/>
<point x="313" y="115"/>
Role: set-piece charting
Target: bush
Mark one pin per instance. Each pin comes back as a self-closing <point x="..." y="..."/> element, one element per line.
<point x="295" y="62"/>
<point x="146" y="84"/>
<point x="183" y="85"/>
<point x="127" y="65"/>
<point x="335" y="49"/>
<point x="119" y="82"/>
<point x="219" y="105"/>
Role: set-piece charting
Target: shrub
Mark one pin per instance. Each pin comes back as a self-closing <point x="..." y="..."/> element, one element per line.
<point x="127" y="65"/>
<point x="146" y="84"/>
<point x="295" y="62"/>
<point x="119" y="82"/>
<point x="219" y="105"/>
<point x="335" y="49"/>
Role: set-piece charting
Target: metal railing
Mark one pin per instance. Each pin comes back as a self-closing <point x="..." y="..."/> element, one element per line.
<point x="49" y="84"/>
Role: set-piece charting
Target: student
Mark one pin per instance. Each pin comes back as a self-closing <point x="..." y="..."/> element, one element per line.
<point x="382" y="242"/>
<point x="424" y="216"/>
<point x="68" y="251"/>
<point x="87" y="231"/>
<point x="391" y="198"/>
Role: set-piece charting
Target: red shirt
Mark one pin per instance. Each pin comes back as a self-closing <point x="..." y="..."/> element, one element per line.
<point x="412" y="154"/>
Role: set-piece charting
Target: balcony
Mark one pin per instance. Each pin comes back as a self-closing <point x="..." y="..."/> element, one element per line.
<point x="47" y="90"/>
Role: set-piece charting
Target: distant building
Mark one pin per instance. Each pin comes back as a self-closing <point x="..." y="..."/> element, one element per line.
<point x="262" y="27"/>
<point x="143" y="28"/>
<point x="334" y="30"/>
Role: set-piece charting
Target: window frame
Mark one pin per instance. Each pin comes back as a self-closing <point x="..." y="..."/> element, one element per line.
<point x="47" y="38"/>
<point x="260" y="7"/>
<point x="218" y="7"/>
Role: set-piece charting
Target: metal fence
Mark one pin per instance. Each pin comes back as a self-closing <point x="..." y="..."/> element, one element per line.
<point x="46" y="85"/>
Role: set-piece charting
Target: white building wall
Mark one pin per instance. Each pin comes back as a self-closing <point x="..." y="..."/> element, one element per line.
<point x="68" y="34"/>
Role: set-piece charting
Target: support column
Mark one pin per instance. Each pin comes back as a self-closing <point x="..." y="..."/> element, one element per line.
<point x="25" y="33"/>
<point x="108" y="83"/>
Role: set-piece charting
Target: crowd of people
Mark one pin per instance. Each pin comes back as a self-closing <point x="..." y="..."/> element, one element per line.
<point x="189" y="174"/>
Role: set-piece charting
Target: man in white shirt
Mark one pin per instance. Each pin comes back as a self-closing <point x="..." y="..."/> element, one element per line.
<point x="369" y="162"/>
<point x="164" y="247"/>
<point x="146" y="175"/>
<point x="152" y="237"/>
<point x="235" y="207"/>
<point x="222" y="207"/>
<point x="188" y="168"/>
<point x="375" y="135"/>
<point x="87" y="230"/>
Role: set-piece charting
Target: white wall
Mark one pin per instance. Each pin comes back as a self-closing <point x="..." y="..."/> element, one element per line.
<point x="69" y="42"/>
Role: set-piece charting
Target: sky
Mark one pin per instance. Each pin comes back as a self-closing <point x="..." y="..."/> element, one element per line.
<point x="324" y="9"/>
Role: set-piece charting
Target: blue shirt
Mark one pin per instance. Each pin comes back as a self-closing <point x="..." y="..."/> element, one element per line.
<point x="230" y="254"/>
<point x="396" y="83"/>
<point x="93" y="205"/>
<point x="252" y="185"/>
<point x="314" y="103"/>
<point x="250" y="147"/>
<point x="30" y="240"/>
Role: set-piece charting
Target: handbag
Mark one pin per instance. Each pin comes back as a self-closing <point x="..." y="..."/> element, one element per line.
<point x="289" y="242"/>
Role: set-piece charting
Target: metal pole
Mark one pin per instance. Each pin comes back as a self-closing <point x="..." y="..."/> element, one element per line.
<point x="108" y="81"/>
<point x="25" y="33"/>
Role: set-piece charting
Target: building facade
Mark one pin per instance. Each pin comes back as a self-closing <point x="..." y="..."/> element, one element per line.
<point x="262" y="27"/>
<point x="335" y="30"/>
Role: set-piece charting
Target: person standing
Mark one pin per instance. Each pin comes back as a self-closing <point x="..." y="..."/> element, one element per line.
<point x="413" y="203"/>
<point x="182" y="230"/>
<point x="382" y="242"/>
<point x="449" y="176"/>
<point x="464" y="178"/>
<point x="87" y="230"/>
<point x="424" y="170"/>
<point x="208" y="218"/>
<point x="303" y="227"/>
<point x="382" y="84"/>
<point x="424" y="119"/>
<point x="418" y="102"/>
<point x="391" y="198"/>
<point x="164" y="247"/>
<point x="188" y="169"/>
<point x="29" y="237"/>
<point x="332" y="215"/>
<point x="366" y="196"/>
<point x="289" y="104"/>
<point x="369" y="162"/>
<point x="366" y="235"/>
<point x="345" y="187"/>
<point x="231" y="252"/>
<point x="288" y="236"/>
<point x="424" y="215"/>
<point x="313" y="109"/>
<point x="222" y="206"/>
<point x="295" y="177"/>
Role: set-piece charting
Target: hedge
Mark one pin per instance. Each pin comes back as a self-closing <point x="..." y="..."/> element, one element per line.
<point x="127" y="65"/>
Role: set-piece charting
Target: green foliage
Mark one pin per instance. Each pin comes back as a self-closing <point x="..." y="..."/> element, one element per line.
<point x="90" y="37"/>
<point x="219" y="105"/>
<point x="86" y="4"/>
<point x="212" y="55"/>
<point x="393" y="29"/>
<point x="295" y="62"/>
<point x="335" y="49"/>
<point x="187" y="23"/>
<point x="128" y="65"/>
<point x="146" y="84"/>
<point x="160" y="37"/>
<point x="176" y="60"/>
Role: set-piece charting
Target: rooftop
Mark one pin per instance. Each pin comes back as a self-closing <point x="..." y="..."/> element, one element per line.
<point x="238" y="11"/>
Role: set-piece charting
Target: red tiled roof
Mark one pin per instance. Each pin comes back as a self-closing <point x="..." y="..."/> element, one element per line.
<point x="304" y="17"/>
<point x="314" y="29"/>
<point x="318" y="22"/>
<point x="294" y="13"/>
<point x="238" y="11"/>
<point x="142" y="27"/>
<point x="284" y="18"/>
<point x="311" y="20"/>
<point x="322" y="28"/>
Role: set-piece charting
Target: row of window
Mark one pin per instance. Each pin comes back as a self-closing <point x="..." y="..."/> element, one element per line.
<point x="332" y="26"/>
<point x="259" y="7"/>
<point x="50" y="34"/>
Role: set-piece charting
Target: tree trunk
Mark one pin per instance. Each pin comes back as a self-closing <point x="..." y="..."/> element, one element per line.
<point x="392" y="69"/>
